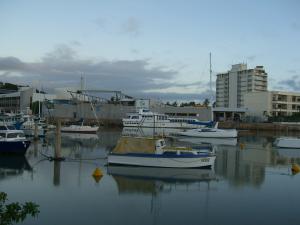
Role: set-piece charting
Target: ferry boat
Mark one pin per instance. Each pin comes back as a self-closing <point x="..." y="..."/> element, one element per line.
<point x="146" y="118"/>
<point x="12" y="141"/>
<point x="153" y="152"/>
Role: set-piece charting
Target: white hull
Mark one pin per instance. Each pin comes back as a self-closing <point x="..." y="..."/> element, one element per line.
<point x="203" y="134"/>
<point x="167" y="162"/>
<point x="288" y="142"/>
<point x="79" y="129"/>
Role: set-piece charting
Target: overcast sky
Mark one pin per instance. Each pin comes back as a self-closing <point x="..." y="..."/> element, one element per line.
<point x="149" y="48"/>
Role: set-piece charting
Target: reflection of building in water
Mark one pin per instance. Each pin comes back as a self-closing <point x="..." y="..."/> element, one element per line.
<point x="12" y="165"/>
<point x="247" y="165"/>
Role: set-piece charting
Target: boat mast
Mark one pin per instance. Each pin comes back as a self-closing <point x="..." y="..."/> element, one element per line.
<point x="210" y="78"/>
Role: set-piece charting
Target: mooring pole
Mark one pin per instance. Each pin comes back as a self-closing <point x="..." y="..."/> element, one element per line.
<point x="58" y="140"/>
<point x="36" y="136"/>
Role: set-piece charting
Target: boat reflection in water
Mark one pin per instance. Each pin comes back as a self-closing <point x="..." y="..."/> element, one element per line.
<point x="148" y="131"/>
<point x="213" y="141"/>
<point x="147" y="179"/>
<point x="12" y="165"/>
<point x="82" y="136"/>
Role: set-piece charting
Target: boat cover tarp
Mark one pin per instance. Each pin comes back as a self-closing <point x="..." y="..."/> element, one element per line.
<point x="135" y="145"/>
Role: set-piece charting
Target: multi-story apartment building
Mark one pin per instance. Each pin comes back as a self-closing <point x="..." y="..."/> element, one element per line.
<point x="272" y="103"/>
<point x="234" y="84"/>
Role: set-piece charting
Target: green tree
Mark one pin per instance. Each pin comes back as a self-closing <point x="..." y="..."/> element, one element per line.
<point x="206" y="102"/>
<point x="15" y="212"/>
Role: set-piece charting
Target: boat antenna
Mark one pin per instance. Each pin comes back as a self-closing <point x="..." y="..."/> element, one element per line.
<point x="210" y="78"/>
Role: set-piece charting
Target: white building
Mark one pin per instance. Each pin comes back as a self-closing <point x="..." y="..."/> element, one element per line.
<point x="272" y="103"/>
<point x="234" y="84"/>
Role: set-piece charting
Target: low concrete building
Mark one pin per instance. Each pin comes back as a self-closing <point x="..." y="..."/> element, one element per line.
<point x="272" y="103"/>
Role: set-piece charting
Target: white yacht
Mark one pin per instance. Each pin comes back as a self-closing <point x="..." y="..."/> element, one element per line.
<point x="146" y="118"/>
<point x="80" y="128"/>
<point x="210" y="133"/>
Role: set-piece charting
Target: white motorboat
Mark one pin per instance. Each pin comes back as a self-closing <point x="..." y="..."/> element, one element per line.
<point x="12" y="141"/>
<point x="153" y="152"/>
<point x="210" y="132"/>
<point x="287" y="142"/>
<point x="146" y="118"/>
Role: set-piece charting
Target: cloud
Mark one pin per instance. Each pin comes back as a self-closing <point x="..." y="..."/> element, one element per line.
<point x="63" y="67"/>
<point x="295" y="26"/>
<point x="291" y="84"/>
<point x="251" y="58"/>
<point x="131" y="26"/>
<point x="100" y="22"/>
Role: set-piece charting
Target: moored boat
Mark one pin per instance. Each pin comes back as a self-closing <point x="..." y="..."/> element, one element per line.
<point x="210" y="132"/>
<point x="13" y="141"/>
<point x="146" y="118"/>
<point x="80" y="128"/>
<point x="153" y="152"/>
<point x="287" y="142"/>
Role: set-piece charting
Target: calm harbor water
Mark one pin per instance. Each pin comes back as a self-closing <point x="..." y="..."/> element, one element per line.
<point x="251" y="183"/>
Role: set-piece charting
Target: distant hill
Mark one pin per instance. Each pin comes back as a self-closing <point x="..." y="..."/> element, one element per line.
<point x="8" y="86"/>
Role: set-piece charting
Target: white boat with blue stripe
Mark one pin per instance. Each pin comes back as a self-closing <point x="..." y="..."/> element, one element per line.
<point x="153" y="152"/>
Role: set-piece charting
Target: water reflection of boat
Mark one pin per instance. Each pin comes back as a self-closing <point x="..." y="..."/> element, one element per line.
<point x="163" y="174"/>
<point x="153" y="152"/>
<point x="11" y="165"/>
<point x="213" y="141"/>
<point x="289" y="152"/>
<point x="83" y="136"/>
<point x="148" y="131"/>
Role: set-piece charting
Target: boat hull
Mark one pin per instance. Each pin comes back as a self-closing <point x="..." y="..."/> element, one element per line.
<point x="14" y="147"/>
<point x="288" y="142"/>
<point x="153" y="160"/>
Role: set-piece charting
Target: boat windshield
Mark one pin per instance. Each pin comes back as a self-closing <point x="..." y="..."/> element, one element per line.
<point x="15" y="135"/>
<point x="7" y="128"/>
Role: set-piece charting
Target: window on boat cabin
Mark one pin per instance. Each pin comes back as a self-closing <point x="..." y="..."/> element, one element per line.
<point x="3" y="128"/>
<point x="2" y="135"/>
<point x="134" y="117"/>
<point x="12" y="135"/>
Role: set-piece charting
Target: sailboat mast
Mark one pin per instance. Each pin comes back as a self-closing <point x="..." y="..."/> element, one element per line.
<point x="210" y="77"/>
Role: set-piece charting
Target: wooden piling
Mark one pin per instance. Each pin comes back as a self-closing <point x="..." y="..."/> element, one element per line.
<point x="58" y="140"/>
